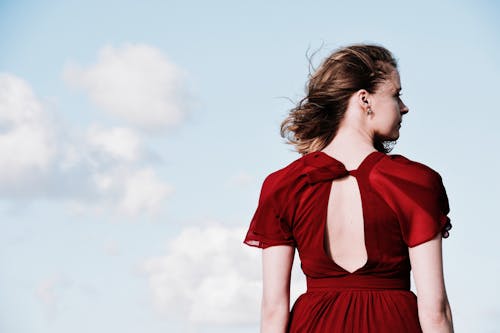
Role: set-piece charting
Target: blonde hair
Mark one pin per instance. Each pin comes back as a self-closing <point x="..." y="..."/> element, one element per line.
<point x="313" y="123"/>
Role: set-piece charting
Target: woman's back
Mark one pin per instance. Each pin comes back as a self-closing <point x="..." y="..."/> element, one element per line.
<point x="345" y="234"/>
<point x="367" y="290"/>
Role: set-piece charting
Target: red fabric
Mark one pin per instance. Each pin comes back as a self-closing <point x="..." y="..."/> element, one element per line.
<point x="404" y="204"/>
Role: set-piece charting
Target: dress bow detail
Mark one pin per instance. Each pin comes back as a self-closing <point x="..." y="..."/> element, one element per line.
<point x="321" y="168"/>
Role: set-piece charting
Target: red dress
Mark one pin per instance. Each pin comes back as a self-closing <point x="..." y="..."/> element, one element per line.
<point x="404" y="204"/>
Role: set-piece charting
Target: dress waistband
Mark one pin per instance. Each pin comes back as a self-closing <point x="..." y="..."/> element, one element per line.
<point x="356" y="282"/>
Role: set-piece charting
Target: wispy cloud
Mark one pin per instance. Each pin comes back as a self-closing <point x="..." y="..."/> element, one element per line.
<point x="119" y="143"/>
<point x="99" y="169"/>
<point x="136" y="83"/>
<point x="143" y="191"/>
<point x="209" y="276"/>
<point x="27" y="142"/>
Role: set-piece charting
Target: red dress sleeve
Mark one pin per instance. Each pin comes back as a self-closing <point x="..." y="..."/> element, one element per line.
<point x="270" y="225"/>
<point x="417" y="196"/>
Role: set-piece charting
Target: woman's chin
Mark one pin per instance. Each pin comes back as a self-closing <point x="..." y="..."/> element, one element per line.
<point x="395" y="134"/>
<point x="391" y="137"/>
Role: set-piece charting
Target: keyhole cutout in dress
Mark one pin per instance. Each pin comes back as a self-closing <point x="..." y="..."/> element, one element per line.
<point x="345" y="236"/>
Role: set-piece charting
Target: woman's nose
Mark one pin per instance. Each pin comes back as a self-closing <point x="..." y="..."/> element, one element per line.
<point x="404" y="109"/>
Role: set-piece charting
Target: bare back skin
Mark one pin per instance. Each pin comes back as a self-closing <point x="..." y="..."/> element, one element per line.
<point x="345" y="236"/>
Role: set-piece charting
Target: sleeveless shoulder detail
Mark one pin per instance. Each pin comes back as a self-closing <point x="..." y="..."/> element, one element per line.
<point x="416" y="194"/>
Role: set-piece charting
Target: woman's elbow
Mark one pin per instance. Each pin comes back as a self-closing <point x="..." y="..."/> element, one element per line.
<point x="274" y="316"/>
<point x="436" y="319"/>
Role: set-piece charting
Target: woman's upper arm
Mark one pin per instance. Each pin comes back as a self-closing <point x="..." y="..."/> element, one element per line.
<point x="427" y="266"/>
<point x="277" y="264"/>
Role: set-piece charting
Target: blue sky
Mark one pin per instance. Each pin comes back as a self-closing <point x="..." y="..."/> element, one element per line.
<point x="134" y="137"/>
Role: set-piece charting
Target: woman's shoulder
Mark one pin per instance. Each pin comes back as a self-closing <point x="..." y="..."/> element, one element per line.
<point x="400" y="166"/>
<point x="416" y="194"/>
<point x="286" y="175"/>
<point x="284" y="183"/>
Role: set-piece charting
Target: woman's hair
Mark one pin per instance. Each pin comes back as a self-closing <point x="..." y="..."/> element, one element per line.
<point x="313" y="123"/>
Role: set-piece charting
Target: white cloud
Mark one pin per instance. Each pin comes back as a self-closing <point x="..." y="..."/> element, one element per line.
<point x="209" y="276"/>
<point x="136" y="83"/>
<point x="143" y="191"/>
<point x="98" y="169"/>
<point x="27" y="144"/>
<point x="118" y="142"/>
<point x="127" y="192"/>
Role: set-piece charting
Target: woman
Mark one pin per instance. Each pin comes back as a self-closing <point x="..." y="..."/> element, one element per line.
<point x="359" y="217"/>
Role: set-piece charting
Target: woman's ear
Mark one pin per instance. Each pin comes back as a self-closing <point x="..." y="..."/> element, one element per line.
<point x="363" y="98"/>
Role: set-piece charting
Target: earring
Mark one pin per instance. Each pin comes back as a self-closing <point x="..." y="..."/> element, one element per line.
<point x="369" y="111"/>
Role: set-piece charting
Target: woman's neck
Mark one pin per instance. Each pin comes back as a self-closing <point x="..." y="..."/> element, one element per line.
<point x="350" y="146"/>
